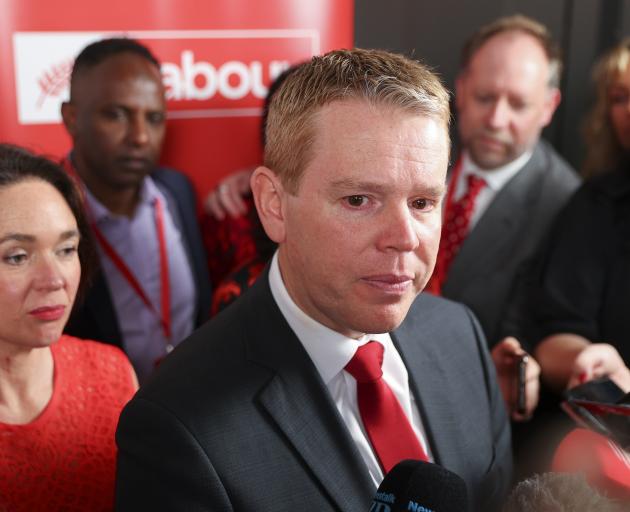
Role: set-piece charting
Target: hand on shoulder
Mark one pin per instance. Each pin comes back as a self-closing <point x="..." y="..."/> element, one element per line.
<point x="227" y="198"/>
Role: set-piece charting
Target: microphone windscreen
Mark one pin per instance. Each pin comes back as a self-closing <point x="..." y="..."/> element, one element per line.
<point x="417" y="486"/>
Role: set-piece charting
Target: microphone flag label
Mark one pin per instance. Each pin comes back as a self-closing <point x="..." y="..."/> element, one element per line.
<point x="377" y="506"/>
<point x="381" y="502"/>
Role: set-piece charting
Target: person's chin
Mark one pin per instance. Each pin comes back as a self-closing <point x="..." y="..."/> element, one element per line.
<point x="384" y="321"/>
<point x="489" y="160"/>
<point x="381" y="318"/>
<point x="130" y="178"/>
<point x="489" y="153"/>
<point x="133" y="169"/>
<point x="46" y="337"/>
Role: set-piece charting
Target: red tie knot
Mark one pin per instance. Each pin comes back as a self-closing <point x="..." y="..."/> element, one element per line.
<point x="475" y="184"/>
<point x="365" y="365"/>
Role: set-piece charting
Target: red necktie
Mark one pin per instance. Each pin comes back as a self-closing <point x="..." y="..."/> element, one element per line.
<point x="388" y="428"/>
<point x="454" y="231"/>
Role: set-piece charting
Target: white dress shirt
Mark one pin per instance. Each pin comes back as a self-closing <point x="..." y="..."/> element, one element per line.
<point x="330" y="351"/>
<point x="495" y="180"/>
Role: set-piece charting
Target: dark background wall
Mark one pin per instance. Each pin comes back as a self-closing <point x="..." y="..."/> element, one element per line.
<point x="435" y="30"/>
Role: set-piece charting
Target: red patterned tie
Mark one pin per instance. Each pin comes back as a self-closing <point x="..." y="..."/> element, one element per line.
<point x="454" y="230"/>
<point x="388" y="428"/>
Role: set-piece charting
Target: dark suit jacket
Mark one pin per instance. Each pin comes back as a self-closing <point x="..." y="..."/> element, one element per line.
<point x="496" y="257"/>
<point x="94" y="317"/>
<point x="237" y="418"/>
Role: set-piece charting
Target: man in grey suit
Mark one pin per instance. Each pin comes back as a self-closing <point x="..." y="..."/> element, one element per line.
<point x="506" y="93"/>
<point x="265" y="407"/>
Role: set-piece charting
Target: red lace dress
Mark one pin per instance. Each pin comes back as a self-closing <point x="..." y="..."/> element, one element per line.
<point x="65" y="459"/>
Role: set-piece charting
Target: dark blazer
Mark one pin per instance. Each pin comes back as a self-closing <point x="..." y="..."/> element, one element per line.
<point x="94" y="317"/>
<point x="498" y="253"/>
<point x="237" y="418"/>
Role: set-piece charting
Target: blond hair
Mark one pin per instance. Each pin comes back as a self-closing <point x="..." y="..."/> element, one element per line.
<point x="377" y="76"/>
<point x="525" y="25"/>
<point x="603" y="148"/>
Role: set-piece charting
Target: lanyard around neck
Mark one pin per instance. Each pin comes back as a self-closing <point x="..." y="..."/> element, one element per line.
<point x="125" y="271"/>
<point x="165" y="316"/>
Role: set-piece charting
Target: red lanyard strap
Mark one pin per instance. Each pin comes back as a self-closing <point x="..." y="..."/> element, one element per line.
<point x="165" y="316"/>
<point x="165" y="288"/>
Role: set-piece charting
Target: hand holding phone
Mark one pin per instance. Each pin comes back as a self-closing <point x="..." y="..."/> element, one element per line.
<point x="521" y="381"/>
<point x="518" y="377"/>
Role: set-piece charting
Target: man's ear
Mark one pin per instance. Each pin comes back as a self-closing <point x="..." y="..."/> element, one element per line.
<point x="269" y="197"/>
<point x="551" y="104"/>
<point x="69" y="116"/>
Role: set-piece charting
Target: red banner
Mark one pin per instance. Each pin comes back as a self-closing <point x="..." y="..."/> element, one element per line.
<point x="218" y="59"/>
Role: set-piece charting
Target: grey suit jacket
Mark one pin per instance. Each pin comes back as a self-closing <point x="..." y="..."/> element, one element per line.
<point x="489" y="271"/>
<point x="237" y="418"/>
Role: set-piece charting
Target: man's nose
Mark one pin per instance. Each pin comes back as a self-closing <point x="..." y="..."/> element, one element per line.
<point x="499" y="114"/>
<point x="138" y="130"/>
<point x="399" y="230"/>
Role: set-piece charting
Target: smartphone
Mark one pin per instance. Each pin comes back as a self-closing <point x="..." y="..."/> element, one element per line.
<point x="601" y="390"/>
<point x="521" y="372"/>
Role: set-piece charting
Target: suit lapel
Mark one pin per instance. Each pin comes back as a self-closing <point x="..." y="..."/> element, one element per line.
<point x="495" y="231"/>
<point x="426" y="371"/>
<point x="325" y="447"/>
<point x="299" y="403"/>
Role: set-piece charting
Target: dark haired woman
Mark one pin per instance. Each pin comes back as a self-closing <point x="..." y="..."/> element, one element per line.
<point x="60" y="397"/>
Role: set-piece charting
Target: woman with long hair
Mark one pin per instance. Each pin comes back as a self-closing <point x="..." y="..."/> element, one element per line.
<point x="60" y="397"/>
<point x="607" y="126"/>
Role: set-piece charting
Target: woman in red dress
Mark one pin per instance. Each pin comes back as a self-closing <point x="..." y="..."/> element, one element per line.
<point x="60" y="397"/>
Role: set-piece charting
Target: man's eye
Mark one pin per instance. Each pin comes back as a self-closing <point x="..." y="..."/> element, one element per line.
<point x="518" y="105"/>
<point x="484" y="99"/>
<point x="356" y="200"/>
<point x="114" y="114"/>
<point x="420" y="204"/>
<point x="156" y="118"/>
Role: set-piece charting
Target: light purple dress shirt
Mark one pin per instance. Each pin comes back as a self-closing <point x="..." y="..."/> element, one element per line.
<point x="135" y="240"/>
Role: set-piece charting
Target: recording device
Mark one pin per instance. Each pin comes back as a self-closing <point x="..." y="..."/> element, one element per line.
<point x="600" y="405"/>
<point x="417" y="486"/>
<point x="521" y="372"/>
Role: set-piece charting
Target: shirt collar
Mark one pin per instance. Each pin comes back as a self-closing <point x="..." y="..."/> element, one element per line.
<point x="329" y="350"/>
<point x="494" y="178"/>
<point x="149" y="192"/>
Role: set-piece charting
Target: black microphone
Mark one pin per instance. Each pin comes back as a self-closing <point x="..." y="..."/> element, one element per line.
<point x="417" y="486"/>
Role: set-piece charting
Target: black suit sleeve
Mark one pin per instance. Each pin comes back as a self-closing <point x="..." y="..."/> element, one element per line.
<point x="498" y="477"/>
<point x="161" y="466"/>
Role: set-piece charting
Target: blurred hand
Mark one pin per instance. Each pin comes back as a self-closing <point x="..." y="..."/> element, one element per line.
<point x="227" y="198"/>
<point x="600" y="360"/>
<point x="506" y="355"/>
